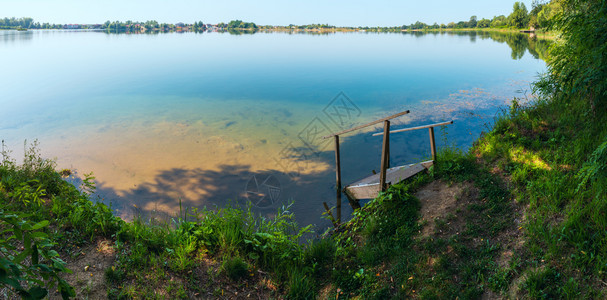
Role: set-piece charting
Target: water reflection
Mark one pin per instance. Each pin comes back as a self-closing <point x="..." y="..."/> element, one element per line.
<point x="241" y="32"/>
<point x="520" y="43"/>
<point x="11" y="36"/>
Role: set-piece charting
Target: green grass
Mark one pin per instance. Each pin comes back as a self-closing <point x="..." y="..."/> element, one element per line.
<point x="554" y="153"/>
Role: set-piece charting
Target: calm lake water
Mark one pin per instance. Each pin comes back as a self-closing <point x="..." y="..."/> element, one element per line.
<point x="214" y="119"/>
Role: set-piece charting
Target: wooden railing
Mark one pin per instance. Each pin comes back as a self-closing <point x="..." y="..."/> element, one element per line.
<point x="385" y="157"/>
<point x="386" y="120"/>
<point x="386" y="146"/>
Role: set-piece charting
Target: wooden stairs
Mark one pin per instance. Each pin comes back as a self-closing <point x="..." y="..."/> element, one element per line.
<point x="369" y="187"/>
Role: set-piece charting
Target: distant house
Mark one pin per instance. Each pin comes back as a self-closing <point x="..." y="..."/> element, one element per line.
<point x="71" y="26"/>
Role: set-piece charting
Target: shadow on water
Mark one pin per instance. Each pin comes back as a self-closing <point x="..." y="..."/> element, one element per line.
<point x="211" y="189"/>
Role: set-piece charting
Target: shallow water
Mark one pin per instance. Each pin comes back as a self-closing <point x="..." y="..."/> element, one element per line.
<point x="207" y="119"/>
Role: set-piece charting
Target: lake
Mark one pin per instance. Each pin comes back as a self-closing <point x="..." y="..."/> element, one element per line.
<point x="216" y="119"/>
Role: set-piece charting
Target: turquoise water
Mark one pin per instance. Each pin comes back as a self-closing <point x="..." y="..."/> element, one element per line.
<point x="199" y="117"/>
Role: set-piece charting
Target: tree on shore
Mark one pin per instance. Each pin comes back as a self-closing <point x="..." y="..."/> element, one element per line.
<point x="26" y="23"/>
<point x="238" y="24"/>
<point x="518" y="18"/>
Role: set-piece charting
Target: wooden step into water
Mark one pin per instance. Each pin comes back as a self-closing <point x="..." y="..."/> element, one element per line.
<point x="369" y="187"/>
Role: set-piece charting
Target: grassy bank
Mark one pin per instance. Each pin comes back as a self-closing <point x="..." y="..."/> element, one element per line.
<point x="553" y="155"/>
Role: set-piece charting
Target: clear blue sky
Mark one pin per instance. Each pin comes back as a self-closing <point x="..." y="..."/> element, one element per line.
<point x="262" y="12"/>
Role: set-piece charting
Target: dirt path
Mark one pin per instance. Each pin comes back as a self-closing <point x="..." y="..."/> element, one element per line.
<point x="444" y="210"/>
<point x="440" y="201"/>
<point x="88" y="277"/>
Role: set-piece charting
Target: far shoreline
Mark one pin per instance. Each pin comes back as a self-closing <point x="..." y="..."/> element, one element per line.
<point x="536" y="33"/>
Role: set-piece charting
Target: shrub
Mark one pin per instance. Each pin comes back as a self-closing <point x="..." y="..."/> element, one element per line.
<point x="235" y="267"/>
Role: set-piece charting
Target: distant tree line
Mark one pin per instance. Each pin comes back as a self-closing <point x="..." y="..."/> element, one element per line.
<point x="151" y="26"/>
<point x="540" y="17"/>
<point x="154" y="26"/>
<point x="26" y="23"/>
<point x="312" y="26"/>
<point x="130" y="26"/>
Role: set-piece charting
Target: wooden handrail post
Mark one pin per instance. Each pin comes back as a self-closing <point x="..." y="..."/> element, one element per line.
<point x="385" y="153"/>
<point x="432" y="144"/>
<point x="338" y="179"/>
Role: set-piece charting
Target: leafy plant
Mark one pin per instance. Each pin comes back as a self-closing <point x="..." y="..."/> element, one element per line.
<point x="34" y="268"/>
<point x="578" y="65"/>
<point x="595" y="171"/>
<point x="27" y="194"/>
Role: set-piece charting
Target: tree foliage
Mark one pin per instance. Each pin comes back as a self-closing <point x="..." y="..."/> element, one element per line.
<point x="25" y="23"/>
<point x="545" y="17"/>
<point x="518" y="18"/>
<point x="578" y="64"/>
<point x="238" y="24"/>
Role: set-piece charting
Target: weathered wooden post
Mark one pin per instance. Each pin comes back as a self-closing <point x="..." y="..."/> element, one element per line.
<point x="432" y="144"/>
<point x="338" y="179"/>
<point x="385" y="159"/>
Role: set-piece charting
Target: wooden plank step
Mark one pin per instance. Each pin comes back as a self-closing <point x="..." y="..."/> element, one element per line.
<point x="368" y="188"/>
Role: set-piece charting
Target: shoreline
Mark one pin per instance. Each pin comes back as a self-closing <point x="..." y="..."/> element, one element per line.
<point x="538" y="33"/>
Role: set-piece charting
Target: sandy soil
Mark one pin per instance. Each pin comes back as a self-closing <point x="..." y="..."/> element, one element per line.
<point x="88" y="277"/>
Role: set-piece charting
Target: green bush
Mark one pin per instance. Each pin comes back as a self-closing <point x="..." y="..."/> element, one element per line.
<point x="578" y="65"/>
<point x="235" y="267"/>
